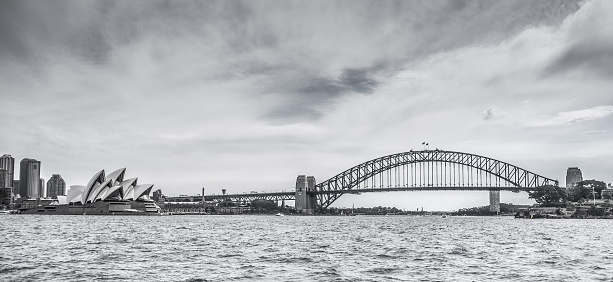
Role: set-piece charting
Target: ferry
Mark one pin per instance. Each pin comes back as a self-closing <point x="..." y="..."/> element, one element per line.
<point x="8" y="212"/>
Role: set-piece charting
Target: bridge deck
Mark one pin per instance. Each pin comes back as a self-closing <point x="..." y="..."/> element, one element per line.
<point x="290" y="195"/>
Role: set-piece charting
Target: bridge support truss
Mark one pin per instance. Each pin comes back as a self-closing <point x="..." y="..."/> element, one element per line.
<point x="430" y="170"/>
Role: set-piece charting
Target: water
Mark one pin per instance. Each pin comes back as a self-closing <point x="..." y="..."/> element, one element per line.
<point x="301" y="248"/>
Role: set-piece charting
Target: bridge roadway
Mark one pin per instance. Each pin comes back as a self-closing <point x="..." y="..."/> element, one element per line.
<point x="241" y="197"/>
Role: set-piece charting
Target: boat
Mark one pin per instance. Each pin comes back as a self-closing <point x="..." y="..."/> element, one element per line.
<point x="279" y="214"/>
<point x="8" y="212"/>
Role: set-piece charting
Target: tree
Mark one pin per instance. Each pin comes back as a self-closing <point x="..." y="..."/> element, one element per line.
<point x="584" y="189"/>
<point x="264" y="205"/>
<point x="5" y="196"/>
<point x="548" y="195"/>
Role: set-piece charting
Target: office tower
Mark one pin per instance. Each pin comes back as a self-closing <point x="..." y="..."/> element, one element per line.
<point x="41" y="188"/>
<point x="29" y="178"/>
<point x="3" y="177"/>
<point x="16" y="186"/>
<point x="56" y="186"/>
<point x="7" y="163"/>
<point x="5" y="192"/>
<point x="157" y="195"/>
<point x="573" y="176"/>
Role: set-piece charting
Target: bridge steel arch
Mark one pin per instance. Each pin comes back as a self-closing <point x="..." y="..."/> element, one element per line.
<point x="508" y="176"/>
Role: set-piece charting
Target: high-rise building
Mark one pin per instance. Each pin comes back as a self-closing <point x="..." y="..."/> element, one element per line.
<point x="29" y="178"/>
<point x="56" y="186"/>
<point x="157" y="195"/>
<point x="3" y="176"/>
<point x="6" y="193"/>
<point x="573" y="176"/>
<point x="16" y="186"/>
<point x="7" y="163"/>
<point x="41" y="188"/>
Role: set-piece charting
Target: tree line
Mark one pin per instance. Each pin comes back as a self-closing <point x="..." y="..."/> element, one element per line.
<point x="554" y="196"/>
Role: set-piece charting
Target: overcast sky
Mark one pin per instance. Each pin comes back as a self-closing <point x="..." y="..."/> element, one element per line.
<point x="246" y="95"/>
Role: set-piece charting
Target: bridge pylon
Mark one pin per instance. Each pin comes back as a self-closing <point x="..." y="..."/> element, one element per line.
<point x="305" y="194"/>
<point x="494" y="200"/>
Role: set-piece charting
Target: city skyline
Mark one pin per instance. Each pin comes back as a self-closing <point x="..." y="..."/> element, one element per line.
<point x="247" y="95"/>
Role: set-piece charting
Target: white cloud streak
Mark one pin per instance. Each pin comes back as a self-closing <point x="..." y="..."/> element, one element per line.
<point x="571" y="117"/>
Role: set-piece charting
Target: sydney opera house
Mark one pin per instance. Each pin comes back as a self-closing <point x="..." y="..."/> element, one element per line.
<point x="110" y="194"/>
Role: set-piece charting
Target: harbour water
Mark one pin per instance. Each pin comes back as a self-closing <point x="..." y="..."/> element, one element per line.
<point x="303" y="248"/>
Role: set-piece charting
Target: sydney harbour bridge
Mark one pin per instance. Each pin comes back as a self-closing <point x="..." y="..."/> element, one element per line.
<point x="426" y="170"/>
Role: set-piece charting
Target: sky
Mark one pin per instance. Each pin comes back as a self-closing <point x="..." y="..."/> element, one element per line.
<point x="246" y="95"/>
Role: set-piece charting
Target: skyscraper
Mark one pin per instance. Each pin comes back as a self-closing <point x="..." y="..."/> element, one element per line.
<point x="573" y="176"/>
<point x="41" y="188"/>
<point x="29" y="178"/>
<point x="56" y="186"/>
<point x="3" y="176"/>
<point x="7" y="163"/>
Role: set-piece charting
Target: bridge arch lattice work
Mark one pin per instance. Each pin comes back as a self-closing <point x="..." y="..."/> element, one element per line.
<point x="428" y="170"/>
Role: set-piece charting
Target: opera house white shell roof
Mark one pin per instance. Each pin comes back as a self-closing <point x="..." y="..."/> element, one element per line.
<point x="112" y="187"/>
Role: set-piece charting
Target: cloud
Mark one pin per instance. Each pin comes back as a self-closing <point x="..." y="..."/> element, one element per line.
<point x="232" y="94"/>
<point x="589" y="58"/>
<point x="570" y="117"/>
<point x="489" y="114"/>
<point x="589" y="46"/>
<point x="595" y="132"/>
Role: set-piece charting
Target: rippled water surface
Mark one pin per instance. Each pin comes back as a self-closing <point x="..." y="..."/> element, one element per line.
<point x="303" y="248"/>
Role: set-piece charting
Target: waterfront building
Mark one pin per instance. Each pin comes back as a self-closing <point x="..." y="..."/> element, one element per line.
<point x="573" y="176"/>
<point x="41" y="188"/>
<point x="7" y="165"/>
<point x="157" y="195"/>
<point x="56" y="186"/>
<point x="29" y="178"/>
<point x="104" y="194"/>
<point x="6" y="193"/>
<point x="5" y="197"/>
<point x="607" y="193"/>
<point x="112" y="187"/>
<point x="3" y="176"/>
<point x="15" y="186"/>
